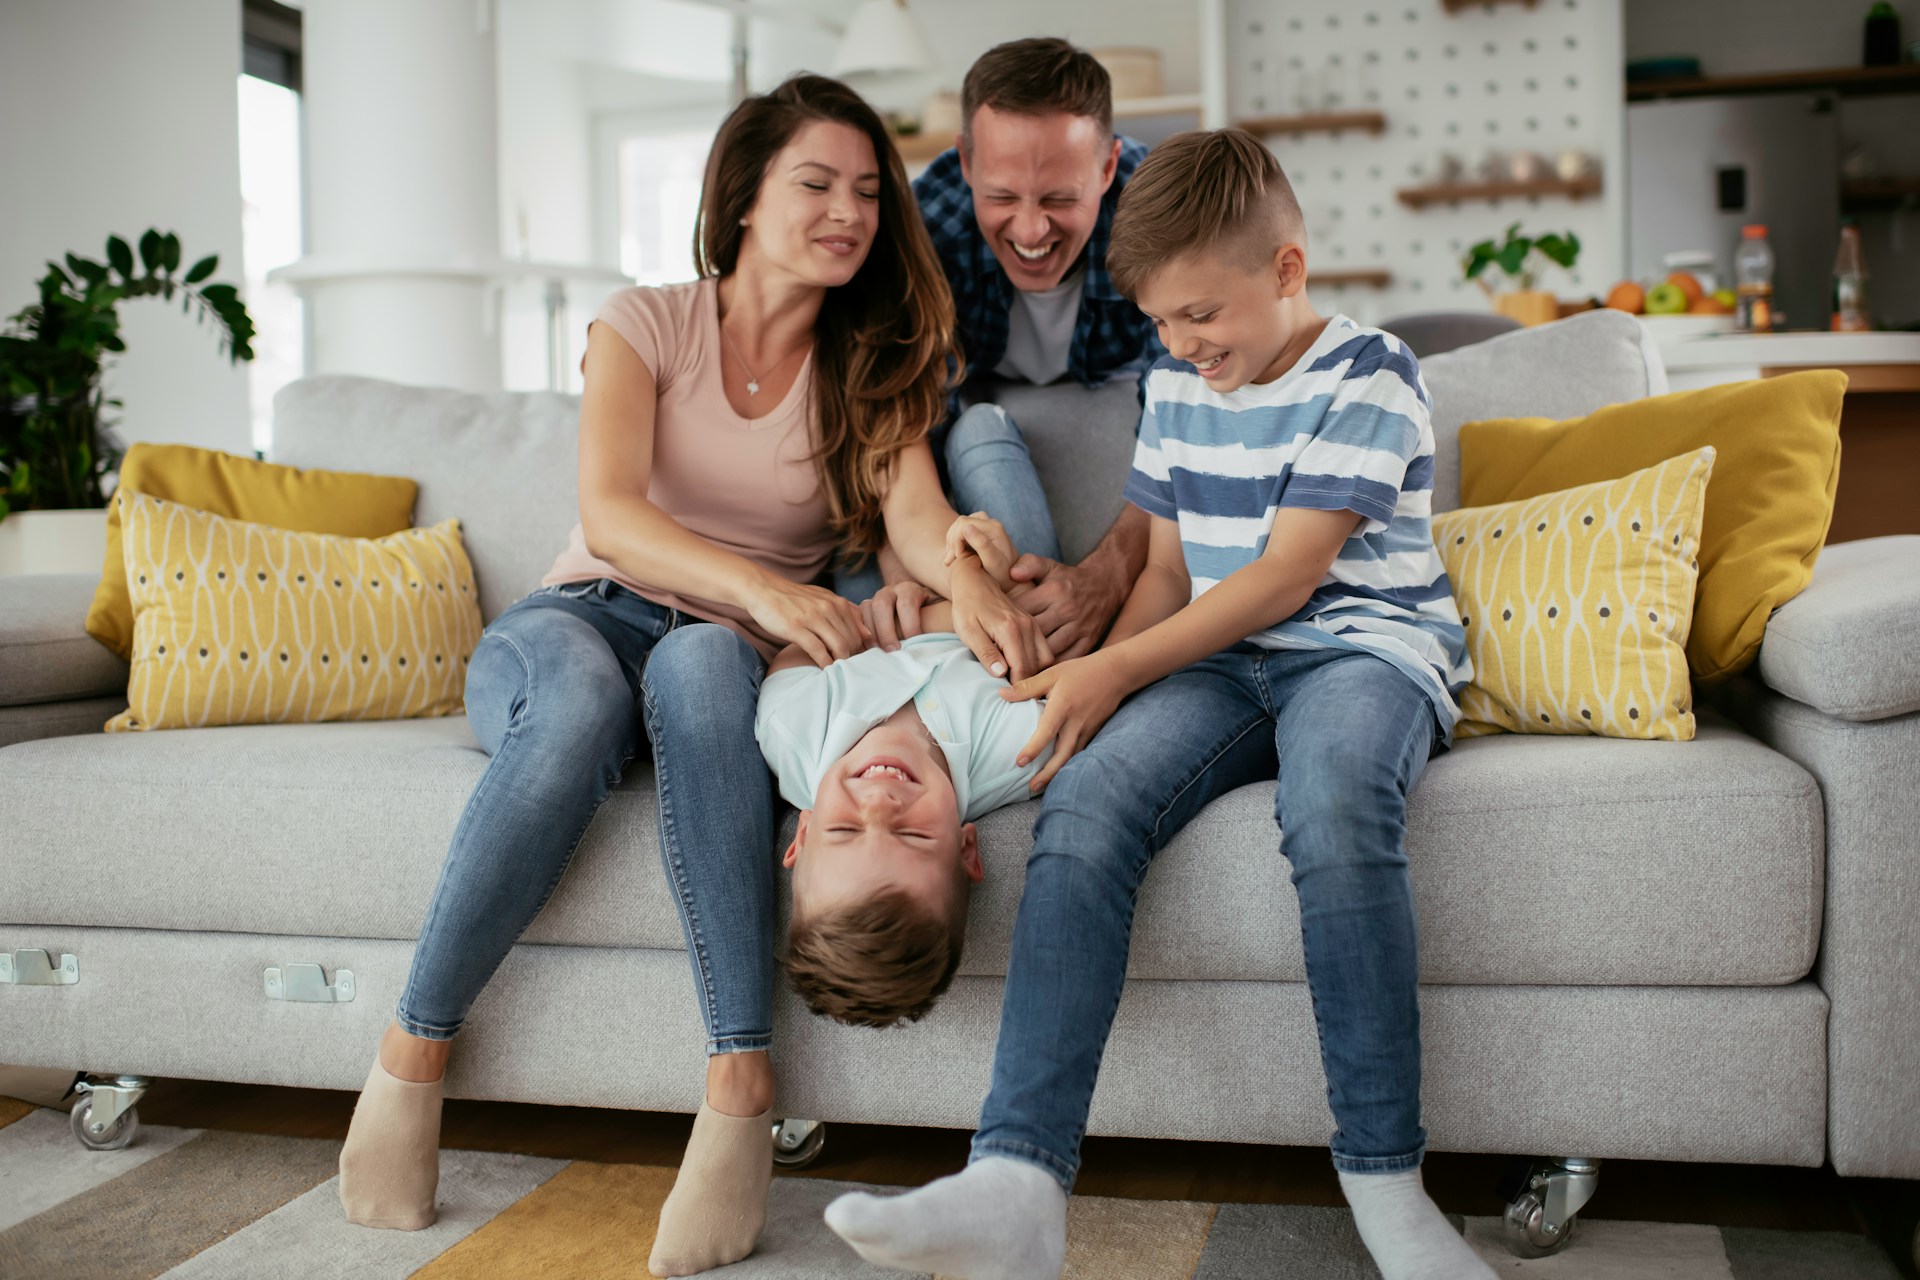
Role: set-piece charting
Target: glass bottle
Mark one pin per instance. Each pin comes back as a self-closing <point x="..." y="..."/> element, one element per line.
<point x="1753" y="280"/>
<point x="1850" y="284"/>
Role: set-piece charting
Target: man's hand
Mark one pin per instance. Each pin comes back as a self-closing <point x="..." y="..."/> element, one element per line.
<point x="893" y="613"/>
<point x="1081" y="696"/>
<point x="1000" y="633"/>
<point x="1071" y="604"/>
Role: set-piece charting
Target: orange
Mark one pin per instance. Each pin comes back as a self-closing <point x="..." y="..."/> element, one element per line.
<point x="1627" y="296"/>
<point x="1709" y="307"/>
<point x="1689" y="284"/>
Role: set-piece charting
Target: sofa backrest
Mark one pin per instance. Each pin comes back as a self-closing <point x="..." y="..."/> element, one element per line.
<point x="1082" y="441"/>
<point x="505" y="463"/>
<point x="1566" y="369"/>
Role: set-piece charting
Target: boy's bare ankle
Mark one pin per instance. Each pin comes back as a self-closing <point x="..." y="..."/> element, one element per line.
<point x="413" y="1058"/>
<point x="740" y="1084"/>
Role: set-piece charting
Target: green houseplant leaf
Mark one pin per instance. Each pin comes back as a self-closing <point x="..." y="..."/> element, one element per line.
<point x="56" y="443"/>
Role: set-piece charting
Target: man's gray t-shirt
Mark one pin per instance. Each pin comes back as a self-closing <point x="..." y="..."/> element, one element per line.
<point x="1040" y="331"/>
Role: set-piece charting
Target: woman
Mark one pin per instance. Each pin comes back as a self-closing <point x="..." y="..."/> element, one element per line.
<point x="734" y="432"/>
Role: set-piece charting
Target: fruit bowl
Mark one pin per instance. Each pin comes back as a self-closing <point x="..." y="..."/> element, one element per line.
<point x="1667" y="328"/>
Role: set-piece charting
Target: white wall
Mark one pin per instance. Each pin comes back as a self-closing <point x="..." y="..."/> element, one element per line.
<point x="1496" y="78"/>
<point x="123" y="115"/>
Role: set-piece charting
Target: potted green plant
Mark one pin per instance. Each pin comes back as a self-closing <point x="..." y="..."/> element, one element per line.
<point x="1521" y="258"/>
<point x="57" y="448"/>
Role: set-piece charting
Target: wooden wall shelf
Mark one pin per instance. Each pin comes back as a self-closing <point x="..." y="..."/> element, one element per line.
<point x="1878" y="193"/>
<point x="1848" y="82"/>
<point x="1366" y="277"/>
<point x="1455" y="192"/>
<point x="1318" y="122"/>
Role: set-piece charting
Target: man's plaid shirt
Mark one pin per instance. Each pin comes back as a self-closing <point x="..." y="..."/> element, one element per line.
<point x="1111" y="335"/>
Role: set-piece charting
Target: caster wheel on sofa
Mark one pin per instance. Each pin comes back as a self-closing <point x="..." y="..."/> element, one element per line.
<point x="797" y="1143"/>
<point x="1546" y="1199"/>
<point x="104" y="1118"/>
<point x="1525" y="1228"/>
<point x="112" y="1136"/>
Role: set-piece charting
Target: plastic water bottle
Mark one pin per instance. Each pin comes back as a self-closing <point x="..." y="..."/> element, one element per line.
<point x="1753" y="280"/>
<point x="1850" y="284"/>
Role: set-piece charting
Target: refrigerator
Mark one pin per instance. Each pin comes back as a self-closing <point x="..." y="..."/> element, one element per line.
<point x="1699" y="169"/>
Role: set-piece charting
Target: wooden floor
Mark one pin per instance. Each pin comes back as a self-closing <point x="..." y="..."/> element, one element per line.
<point x="1648" y="1191"/>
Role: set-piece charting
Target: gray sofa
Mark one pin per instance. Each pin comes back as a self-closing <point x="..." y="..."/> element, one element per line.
<point x="1706" y="951"/>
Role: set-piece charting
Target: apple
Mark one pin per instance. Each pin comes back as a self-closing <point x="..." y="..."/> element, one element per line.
<point x="1666" y="299"/>
<point x="1726" y="298"/>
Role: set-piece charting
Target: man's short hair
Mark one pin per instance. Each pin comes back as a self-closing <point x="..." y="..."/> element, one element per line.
<point x="1035" y="77"/>
<point x="1216" y="191"/>
<point x="879" y="961"/>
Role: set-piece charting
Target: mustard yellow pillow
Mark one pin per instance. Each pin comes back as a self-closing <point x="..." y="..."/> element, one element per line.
<point x="342" y="502"/>
<point x="242" y="623"/>
<point x="1577" y="605"/>
<point x="1778" y="446"/>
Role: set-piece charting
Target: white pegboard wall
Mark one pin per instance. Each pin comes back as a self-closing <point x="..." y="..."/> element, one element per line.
<point x="1498" y="76"/>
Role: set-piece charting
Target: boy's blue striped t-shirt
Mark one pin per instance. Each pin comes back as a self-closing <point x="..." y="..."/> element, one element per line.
<point x="1346" y="429"/>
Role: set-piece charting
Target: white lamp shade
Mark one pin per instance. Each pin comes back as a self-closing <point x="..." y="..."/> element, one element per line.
<point x="881" y="37"/>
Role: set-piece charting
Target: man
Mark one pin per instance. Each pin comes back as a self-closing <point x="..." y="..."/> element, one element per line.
<point x="1021" y="214"/>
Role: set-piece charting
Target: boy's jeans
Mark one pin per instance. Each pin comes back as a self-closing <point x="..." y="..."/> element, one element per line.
<point x="556" y="694"/>
<point x="1348" y="735"/>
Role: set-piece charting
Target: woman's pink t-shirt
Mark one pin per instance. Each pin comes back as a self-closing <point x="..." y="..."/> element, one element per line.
<point x="748" y="485"/>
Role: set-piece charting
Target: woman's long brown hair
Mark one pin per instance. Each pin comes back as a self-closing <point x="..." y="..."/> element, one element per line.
<point x="883" y="346"/>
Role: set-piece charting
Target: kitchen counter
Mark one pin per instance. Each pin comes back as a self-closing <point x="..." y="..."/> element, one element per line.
<point x="1879" y="418"/>
<point x="1873" y="361"/>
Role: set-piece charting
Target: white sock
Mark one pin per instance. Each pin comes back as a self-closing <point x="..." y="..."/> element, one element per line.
<point x="1408" y="1236"/>
<point x="1001" y="1219"/>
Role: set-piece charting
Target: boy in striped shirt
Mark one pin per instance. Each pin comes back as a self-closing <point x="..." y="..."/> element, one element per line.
<point x="1294" y="620"/>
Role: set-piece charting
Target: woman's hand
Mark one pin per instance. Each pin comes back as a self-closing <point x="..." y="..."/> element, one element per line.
<point x="1081" y="696"/>
<point x="1000" y="633"/>
<point x="987" y="539"/>
<point x="893" y="613"/>
<point x="816" y="619"/>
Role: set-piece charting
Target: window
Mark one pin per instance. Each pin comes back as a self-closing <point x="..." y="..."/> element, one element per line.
<point x="272" y="226"/>
<point x="658" y="168"/>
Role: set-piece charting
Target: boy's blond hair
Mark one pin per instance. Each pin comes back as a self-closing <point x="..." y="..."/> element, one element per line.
<point x="878" y="961"/>
<point x="1207" y="191"/>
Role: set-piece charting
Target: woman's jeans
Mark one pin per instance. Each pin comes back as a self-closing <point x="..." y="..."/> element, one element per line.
<point x="564" y="689"/>
<point x="1348" y="735"/>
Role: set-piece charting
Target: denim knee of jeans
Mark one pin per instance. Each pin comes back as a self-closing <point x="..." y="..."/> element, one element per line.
<point x="553" y="657"/>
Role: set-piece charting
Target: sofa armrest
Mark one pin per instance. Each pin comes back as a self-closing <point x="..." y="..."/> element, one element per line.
<point x="1869" y="965"/>
<point x="46" y="654"/>
<point x="1849" y="645"/>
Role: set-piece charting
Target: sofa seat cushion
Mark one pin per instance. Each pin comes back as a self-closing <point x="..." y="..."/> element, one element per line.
<point x="1575" y="861"/>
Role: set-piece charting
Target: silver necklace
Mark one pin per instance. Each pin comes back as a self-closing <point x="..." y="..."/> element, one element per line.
<point x="753" y="379"/>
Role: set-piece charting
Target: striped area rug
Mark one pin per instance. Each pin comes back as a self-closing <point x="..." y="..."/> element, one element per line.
<point x="193" y="1204"/>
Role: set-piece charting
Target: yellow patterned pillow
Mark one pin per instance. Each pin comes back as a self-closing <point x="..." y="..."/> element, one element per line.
<point x="1577" y="605"/>
<point x="241" y="623"/>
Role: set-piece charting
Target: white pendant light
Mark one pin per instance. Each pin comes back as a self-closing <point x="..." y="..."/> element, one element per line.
<point x="882" y="37"/>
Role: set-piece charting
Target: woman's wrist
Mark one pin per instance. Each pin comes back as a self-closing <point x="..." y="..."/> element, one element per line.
<point x="750" y="588"/>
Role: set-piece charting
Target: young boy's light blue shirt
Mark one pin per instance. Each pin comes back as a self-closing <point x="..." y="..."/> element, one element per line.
<point x="811" y="716"/>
